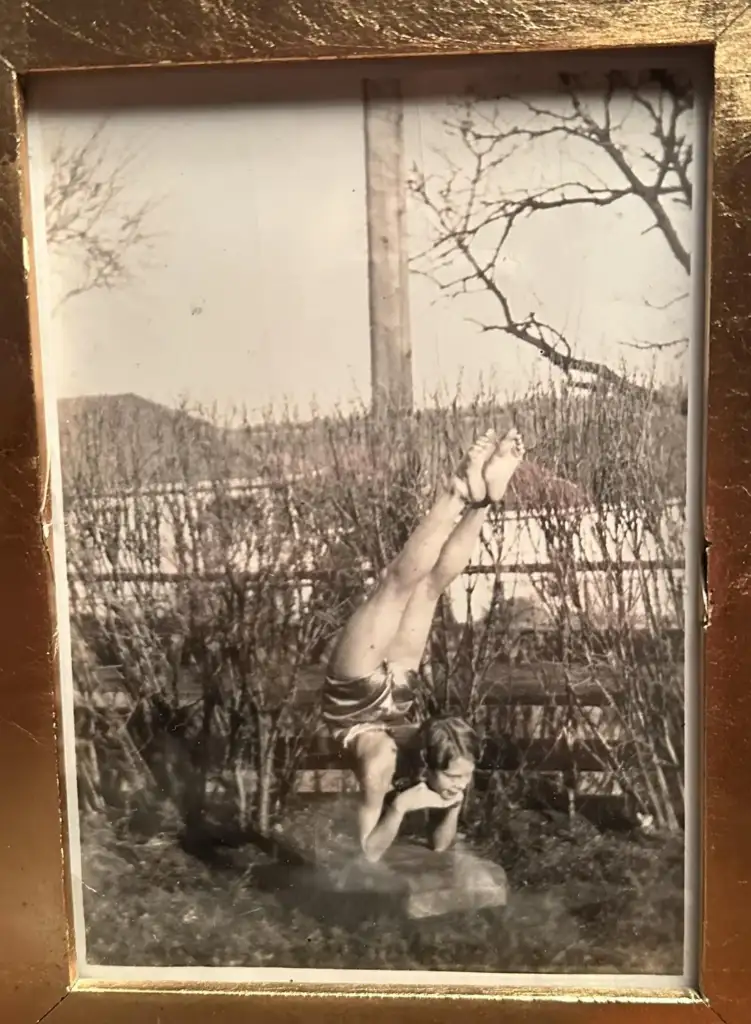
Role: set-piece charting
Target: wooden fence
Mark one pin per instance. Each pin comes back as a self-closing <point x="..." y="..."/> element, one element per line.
<point x="559" y="730"/>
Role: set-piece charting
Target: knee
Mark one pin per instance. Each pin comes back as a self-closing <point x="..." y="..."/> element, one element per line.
<point x="396" y="579"/>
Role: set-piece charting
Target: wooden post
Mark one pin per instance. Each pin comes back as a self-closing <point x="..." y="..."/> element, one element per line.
<point x="390" y="348"/>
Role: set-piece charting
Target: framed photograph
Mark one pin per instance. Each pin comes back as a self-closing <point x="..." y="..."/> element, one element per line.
<point x="374" y="488"/>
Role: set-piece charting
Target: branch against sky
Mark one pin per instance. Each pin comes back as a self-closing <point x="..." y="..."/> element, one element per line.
<point x="90" y="222"/>
<point x="473" y="216"/>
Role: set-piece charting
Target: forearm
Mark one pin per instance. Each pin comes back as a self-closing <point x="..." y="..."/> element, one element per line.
<point x="443" y="833"/>
<point x="376" y="841"/>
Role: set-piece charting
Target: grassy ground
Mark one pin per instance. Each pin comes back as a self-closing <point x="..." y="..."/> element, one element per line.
<point x="581" y="901"/>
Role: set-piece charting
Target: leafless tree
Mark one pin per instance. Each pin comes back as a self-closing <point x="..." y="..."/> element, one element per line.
<point x="89" y="216"/>
<point x="473" y="216"/>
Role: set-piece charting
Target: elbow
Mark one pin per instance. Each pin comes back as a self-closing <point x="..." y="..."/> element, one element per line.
<point x="371" y="855"/>
<point x="440" y="843"/>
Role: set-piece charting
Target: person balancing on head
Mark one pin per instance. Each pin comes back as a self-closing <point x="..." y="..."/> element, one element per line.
<point x="368" y="699"/>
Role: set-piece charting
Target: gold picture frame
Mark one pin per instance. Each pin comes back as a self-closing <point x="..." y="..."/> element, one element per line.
<point x="39" y="972"/>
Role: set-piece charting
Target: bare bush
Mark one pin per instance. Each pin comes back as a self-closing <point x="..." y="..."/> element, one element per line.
<point x="213" y="565"/>
<point x="183" y="587"/>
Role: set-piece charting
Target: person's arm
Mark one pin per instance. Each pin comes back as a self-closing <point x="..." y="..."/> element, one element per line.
<point x="443" y="833"/>
<point x="376" y="842"/>
<point x="376" y="839"/>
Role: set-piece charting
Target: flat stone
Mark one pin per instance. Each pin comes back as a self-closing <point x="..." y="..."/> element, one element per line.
<point x="451" y="882"/>
<point x="423" y="882"/>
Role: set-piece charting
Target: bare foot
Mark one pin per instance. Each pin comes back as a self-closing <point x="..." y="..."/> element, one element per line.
<point x="502" y="465"/>
<point x="469" y="482"/>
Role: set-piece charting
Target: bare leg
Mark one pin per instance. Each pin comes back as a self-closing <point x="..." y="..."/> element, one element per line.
<point x="367" y="637"/>
<point x="408" y="645"/>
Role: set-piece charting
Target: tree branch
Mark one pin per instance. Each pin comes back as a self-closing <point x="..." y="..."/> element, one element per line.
<point x="473" y="218"/>
<point x="87" y="213"/>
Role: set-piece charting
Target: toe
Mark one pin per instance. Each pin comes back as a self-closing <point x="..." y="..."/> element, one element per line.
<point x="484" y="440"/>
<point x="485" y="444"/>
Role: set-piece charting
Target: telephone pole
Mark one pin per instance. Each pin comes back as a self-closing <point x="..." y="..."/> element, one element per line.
<point x="390" y="347"/>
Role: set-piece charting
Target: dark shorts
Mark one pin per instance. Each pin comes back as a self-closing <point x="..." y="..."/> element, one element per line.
<point x="380" y="702"/>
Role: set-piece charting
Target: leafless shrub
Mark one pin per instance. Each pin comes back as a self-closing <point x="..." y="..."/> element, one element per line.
<point x="213" y="566"/>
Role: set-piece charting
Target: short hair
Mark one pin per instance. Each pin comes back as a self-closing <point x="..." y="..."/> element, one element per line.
<point x="446" y="738"/>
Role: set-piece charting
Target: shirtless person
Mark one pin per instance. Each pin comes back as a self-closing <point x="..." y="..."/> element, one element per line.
<point x="368" y="697"/>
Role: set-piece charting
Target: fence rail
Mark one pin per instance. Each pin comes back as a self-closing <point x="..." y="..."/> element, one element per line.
<point x="308" y="576"/>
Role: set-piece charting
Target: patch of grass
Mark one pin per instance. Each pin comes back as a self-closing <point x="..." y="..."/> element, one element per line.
<point x="624" y="891"/>
<point x="581" y="901"/>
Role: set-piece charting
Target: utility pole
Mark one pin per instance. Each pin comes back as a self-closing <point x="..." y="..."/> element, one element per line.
<point x="390" y="347"/>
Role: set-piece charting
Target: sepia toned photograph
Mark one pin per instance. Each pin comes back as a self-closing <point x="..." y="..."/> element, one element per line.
<point x="367" y="395"/>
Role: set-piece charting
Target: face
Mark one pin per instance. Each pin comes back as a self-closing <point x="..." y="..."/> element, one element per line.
<point x="453" y="780"/>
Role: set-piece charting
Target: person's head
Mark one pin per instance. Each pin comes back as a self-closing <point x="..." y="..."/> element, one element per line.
<point x="450" y="751"/>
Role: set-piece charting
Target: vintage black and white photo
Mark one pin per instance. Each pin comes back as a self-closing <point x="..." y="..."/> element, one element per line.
<point x="368" y="392"/>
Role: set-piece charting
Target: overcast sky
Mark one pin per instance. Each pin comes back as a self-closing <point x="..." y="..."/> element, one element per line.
<point x="254" y="288"/>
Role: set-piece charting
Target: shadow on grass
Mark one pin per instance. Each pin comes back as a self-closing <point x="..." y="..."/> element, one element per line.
<point x="305" y="889"/>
